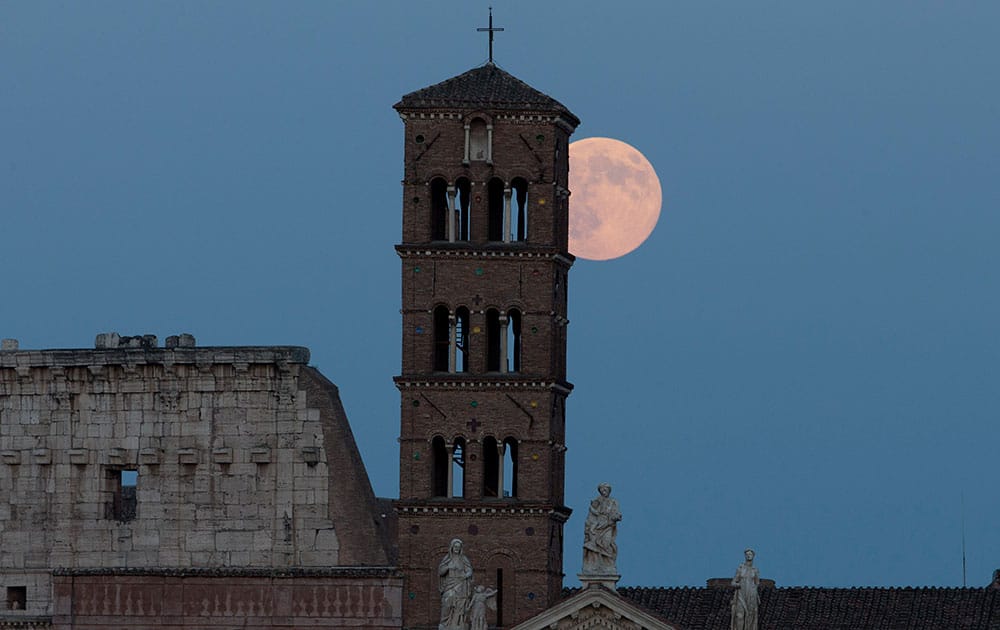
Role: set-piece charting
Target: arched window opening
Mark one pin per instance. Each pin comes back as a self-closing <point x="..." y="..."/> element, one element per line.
<point x="442" y="335"/>
<point x="479" y="146"/>
<point x="462" y="339"/>
<point x="491" y="467"/>
<point x="492" y="340"/>
<point x="495" y="206"/>
<point x="463" y="226"/>
<point x="439" y="467"/>
<point x="509" y="467"/>
<point x="519" y="210"/>
<point x="439" y="209"/>
<point x="458" y="468"/>
<point x="514" y="340"/>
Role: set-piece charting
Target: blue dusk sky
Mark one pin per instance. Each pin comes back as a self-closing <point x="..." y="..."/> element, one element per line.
<point x="802" y="358"/>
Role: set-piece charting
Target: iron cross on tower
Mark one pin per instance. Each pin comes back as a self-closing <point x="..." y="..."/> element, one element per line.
<point x="490" y="30"/>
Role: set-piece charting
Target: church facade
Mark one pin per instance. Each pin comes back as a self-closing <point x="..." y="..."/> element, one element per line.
<point x="177" y="486"/>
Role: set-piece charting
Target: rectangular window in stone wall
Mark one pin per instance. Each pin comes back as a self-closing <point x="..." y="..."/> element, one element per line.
<point x="17" y="597"/>
<point x="122" y="486"/>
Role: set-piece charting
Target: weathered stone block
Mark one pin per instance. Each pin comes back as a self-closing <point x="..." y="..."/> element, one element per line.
<point x="149" y="456"/>
<point x="116" y="457"/>
<point x="222" y="455"/>
<point x="199" y="541"/>
<point x="326" y="540"/>
<point x="107" y="341"/>
<point x="311" y="455"/>
<point x="187" y="456"/>
<point x="233" y="541"/>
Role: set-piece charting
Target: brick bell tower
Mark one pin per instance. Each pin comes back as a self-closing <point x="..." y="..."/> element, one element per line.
<point x="483" y="386"/>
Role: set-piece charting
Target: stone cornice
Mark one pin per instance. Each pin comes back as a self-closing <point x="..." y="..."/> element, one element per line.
<point x="144" y="356"/>
<point x="510" y="507"/>
<point x="24" y="622"/>
<point x="527" y="115"/>
<point x="478" y="251"/>
<point x="223" y="572"/>
<point x="453" y="381"/>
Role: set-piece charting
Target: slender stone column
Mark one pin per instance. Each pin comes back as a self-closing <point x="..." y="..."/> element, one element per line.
<point x="489" y="143"/>
<point x="452" y="214"/>
<point x="465" y="160"/>
<point x="503" y="342"/>
<point x="506" y="215"/>
<point x="452" y="341"/>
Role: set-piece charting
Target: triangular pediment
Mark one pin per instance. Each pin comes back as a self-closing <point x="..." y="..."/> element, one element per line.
<point x="595" y="608"/>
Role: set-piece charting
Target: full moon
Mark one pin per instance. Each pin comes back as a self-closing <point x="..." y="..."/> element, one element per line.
<point x="615" y="199"/>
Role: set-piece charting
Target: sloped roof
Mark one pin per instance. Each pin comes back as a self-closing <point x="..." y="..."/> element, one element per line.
<point x="801" y="608"/>
<point x="588" y="607"/>
<point x="485" y="87"/>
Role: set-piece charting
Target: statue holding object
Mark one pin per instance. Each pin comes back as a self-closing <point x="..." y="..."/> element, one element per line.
<point x="600" y="551"/>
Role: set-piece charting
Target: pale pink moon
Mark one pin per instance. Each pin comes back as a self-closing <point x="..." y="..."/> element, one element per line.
<point x="615" y="198"/>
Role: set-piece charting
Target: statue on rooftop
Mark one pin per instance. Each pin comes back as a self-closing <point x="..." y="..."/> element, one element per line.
<point x="482" y="598"/>
<point x="746" y="599"/>
<point x="600" y="552"/>
<point x="455" y="573"/>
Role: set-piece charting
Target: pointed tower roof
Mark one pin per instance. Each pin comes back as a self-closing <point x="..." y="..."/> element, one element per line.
<point x="485" y="87"/>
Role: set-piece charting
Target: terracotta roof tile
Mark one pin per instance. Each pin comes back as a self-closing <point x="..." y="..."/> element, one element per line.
<point x="485" y="87"/>
<point x="801" y="608"/>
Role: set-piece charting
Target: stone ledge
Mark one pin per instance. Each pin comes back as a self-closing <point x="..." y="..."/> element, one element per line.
<point x="268" y="572"/>
<point x="139" y="356"/>
<point x="14" y="620"/>
<point x="465" y="249"/>
<point x="493" y="381"/>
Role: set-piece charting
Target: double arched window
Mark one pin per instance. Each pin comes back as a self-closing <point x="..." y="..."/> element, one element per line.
<point x="499" y="467"/>
<point x="450" y="210"/>
<point x="507" y="210"/>
<point x="451" y="339"/>
<point x="503" y="340"/>
<point x="448" y="468"/>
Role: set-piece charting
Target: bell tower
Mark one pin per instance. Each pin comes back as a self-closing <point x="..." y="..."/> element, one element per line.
<point x="483" y="385"/>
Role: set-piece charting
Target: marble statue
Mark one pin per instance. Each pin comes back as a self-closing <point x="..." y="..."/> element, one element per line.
<point x="455" y="573"/>
<point x="481" y="598"/>
<point x="600" y="552"/>
<point x="746" y="598"/>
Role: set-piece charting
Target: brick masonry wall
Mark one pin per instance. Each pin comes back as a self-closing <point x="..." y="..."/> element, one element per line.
<point x="517" y="152"/>
<point x="447" y="411"/>
<point x="523" y="541"/>
<point x="535" y="285"/>
<point x="232" y="447"/>
<point x="518" y="537"/>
